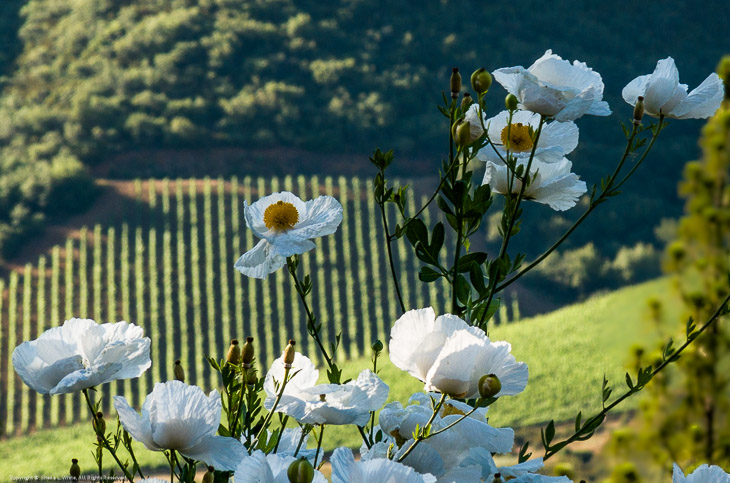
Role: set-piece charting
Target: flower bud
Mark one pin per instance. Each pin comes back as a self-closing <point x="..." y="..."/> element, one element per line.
<point x="251" y="377"/>
<point x="75" y="470"/>
<point x="511" y="102"/>
<point x="639" y="110"/>
<point x="234" y="353"/>
<point x="466" y="101"/>
<point x="300" y="471"/>
<point x="209" y="476"/>
<point x="178" y="371"/>
<point x="377" y="346"/>
<point x="498" y="478"/>
<point x="99" y="423"/>
<point x="481" y="79"/>
<point x="247" y="352"/>
<point x="289" y="353"/>
<point x="489" y="386"/>
<point x="461" y="132"/>
<point x="455" y="82"/>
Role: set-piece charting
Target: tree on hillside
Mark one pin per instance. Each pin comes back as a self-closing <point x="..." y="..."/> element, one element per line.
<point x="694" y="399"/>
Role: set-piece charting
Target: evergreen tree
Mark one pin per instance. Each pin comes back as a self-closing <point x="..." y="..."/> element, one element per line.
<point x="694" y="398"/>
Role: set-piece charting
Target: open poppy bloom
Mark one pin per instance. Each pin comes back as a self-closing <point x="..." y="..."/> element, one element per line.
<point x="348" y="403"/>
<point x="176" y="416"/>
<point x="450" y="356"/>
<point x="286" y="226"/>
<point x="81" y="354"/>
<point x="664" y="95"/>
<point x="556" y="88"/>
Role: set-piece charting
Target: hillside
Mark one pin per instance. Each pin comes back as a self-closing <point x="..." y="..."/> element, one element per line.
<point x="90" y="80"/>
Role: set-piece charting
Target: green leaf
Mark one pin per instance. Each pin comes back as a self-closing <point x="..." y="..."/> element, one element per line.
<point x="428" y="274"/>
<point x="467" y="260"/>
<point x="463" y="289"/>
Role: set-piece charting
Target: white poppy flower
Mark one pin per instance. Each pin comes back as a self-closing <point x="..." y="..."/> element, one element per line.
<point x="703" y="474"/>
<point x="447" y="450"/>
<point x="556" y="88"/>
<point x="286" y="226"/>
<point x="553" y="184"/>
<point x="557" y="139"/>
<point x="271" y="468"/>
<point x="664" y="95"/>
<point x="346" y="470"/>
<point x="306" y="402"/>
<point x="338" y="404"/>
<point x="81" y="354"/>
<point x="450" y="357"/>
<point x="180" y="417"/>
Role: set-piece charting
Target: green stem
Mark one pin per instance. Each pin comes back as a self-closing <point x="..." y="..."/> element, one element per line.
<point x="457" y="254"/>
<point x="390" y="257"/>
<point x="291" y="264"/>
<point x="364" y="436"/>
<point x="281" y="431"/>
<point x="102" y="438"/>
<point x="549" y="452"/>
<point x="319" y="444"/>
<point x="267" y="420"/>
<point x="419" y="437"/>
<point x="513" y="217"/>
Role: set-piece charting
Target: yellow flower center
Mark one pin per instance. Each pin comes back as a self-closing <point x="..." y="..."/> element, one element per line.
<point x="448" y="410"/>
<point x="281" y="216"/>
<point x="517" y="137"/>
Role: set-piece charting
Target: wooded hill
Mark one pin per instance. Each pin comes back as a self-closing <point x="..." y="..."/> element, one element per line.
<point x="90" y="78"/>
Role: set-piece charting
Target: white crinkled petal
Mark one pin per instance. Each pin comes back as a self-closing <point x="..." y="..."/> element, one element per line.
<point x="260" y="261"/>
<point x="423" y="458"/>
<point x="559" y="134"/>
<point x="138" y="426"/>
<point x="39" y="375"/>
<point x="526" y="467"/>
<point x="462" y="474"/>
<point x="303" y="375"/>
<point x="703" y="101"/>
<point x="88" y="377"/>
<point x="453" y="445"/>
<point x="635" y="89"/>
<point x="453" y="370"/>
<point x="342" y="405"/>
<point x="322" y="216"/>
<point x="415" y="343"/>
<point x="497" y="359"/>
<point x="223" y="453"/>
<point x="703" y="474"/>
<point x="661" y="85"/>
<point x="254" y="469"/>
<point x="346" y="470"/>
<point x="511" y="78"/>
<point x="579" y="105"/>
<point x="181" y="415"/>
<point x="374" y="387"/>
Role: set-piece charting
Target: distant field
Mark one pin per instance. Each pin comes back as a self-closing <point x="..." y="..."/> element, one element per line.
<point x="567" y="351"/>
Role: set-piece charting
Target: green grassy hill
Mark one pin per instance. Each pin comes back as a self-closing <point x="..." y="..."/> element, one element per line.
<point x="567" y="351"/>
